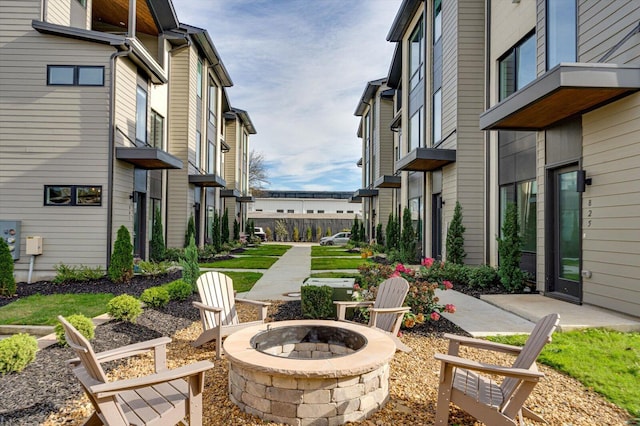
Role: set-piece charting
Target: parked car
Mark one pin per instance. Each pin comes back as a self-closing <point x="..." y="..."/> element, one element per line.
<point x="259" y="232"/>
<point x="339" y="239"/>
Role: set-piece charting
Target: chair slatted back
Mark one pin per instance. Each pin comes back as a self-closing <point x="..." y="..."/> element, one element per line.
<point x="539" y="337"/>
<point x="83" y="350"/>
<point x="216" y="290"/>
<point x="391" y="294"/>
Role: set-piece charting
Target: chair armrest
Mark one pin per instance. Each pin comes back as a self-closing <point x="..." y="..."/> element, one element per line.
<point x="253" y="302"/>
<point x="399" y="309"/>
<point x="206" y="307"/>
<point x="126" y="351"/>
<point x="518" y="373"/>
<point x="111" y="388"/>
<point x="455" y="341"/>
<point x="343" y="305"/>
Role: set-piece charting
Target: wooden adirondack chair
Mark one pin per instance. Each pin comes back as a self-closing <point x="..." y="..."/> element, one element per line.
<point x="218" y="309"/>
<point x="483" y="398"/>
<point x="386" y="312"/>
<point x="163" y="398"/>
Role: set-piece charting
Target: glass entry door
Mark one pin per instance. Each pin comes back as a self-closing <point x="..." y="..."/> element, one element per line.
<point x="566" y="282"/>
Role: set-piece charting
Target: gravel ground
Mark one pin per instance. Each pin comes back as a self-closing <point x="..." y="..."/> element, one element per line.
<point x="47" y="393"/>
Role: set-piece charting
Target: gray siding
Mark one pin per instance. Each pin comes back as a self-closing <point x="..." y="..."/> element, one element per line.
<point x="385" y="153"/>
<point x="450" y="69"/>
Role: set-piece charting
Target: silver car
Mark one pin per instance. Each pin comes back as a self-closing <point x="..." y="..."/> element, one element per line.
<point x="339" y="239"/>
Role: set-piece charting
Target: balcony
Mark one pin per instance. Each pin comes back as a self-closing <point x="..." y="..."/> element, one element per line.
<point x="426" y="159"/>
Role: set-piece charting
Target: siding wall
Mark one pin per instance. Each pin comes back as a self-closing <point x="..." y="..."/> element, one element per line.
<point x="385" y="152"/>
<point x="611" y="206"/>
<point x="231" y="157"/>
<point x="42" y="144"/>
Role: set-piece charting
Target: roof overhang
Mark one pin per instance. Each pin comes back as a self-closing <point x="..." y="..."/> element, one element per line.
<point x="565" y="91"/>
<point x="244" y="119"/>
<point x="202" y="39"/>
<point x="426" y="159"/>
<point x="248" y="199"/>
<point x="365" y="193"/>
<point x="230" y="193"/>
<point x="388" y="181"/>
<point x="209" y="181"/>
<point x="224" y="147"/>
<point x="403" y="18"/>
<point x="395" y="68"/>
<point x="368" y="94"/>
<point x="148" y="158"/>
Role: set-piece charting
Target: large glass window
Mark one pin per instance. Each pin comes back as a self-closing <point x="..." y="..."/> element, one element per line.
<point x="72" y="195"/>
<point x="524" y="195"/>
<point x="141" y="115"/>
<point x="199" y="79"/>
<point x="213" y="102"/>
<point x="198" y="149"/>
<point x="437" y="116"/>
<point x="437" y="20"/>
<point x="561" y="32"/>
<point x="518" y="66"/>
<point x="211" y="157"/>
<point x="415" y="130"/>
<point x="156" y="133"/>
<point x="75" y="75"/>
<point x="416" y="56"/>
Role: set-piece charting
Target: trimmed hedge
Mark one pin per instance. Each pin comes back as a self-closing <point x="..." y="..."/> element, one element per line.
<point x="317" y="301"/>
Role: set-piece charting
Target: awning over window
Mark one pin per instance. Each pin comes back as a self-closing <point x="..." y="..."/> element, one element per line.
<point x="426" y="159"/>
<point x="365" y="193"/>
<point x="248" y="199"/>
<point x="355" y="199"/>
<point x="211" y="181"/>
<point x="565" y="91"/>
<point x="148" y="158"/>
<point x="229" y="193"/>
<point x="388" y="181"/>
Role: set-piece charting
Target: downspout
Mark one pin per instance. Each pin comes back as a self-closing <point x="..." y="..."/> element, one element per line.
<point x="487" y="134"/>
<point x="112" y="153"/>
<point x="43" y="10"/>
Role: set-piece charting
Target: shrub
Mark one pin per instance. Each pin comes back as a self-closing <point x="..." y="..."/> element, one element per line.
<point x="355" y="230"/>
<point x="224" y="225"/>
<point x="318" y="232"/>
<point x="83" y="324"/>
<point x="156" y="246"/>
<point x="124" y="308"/>
<point x="215" y="232"/>
<point x="155" y="297"/>
<point x="236" y="230"/>
<point x="372" y="274"/>
<point x="309" y="235"/>
<point x="190" y="232"/>
<point x="268" y="233"/>
<point x="455" y="237"/>
<point x="316" y="301"/>
<point x="511" y="276"/>
<point x="393" y="234"/>
<point x="179" y="290"/>
<point x="379" y="235"/>
<point x="190" y="267"/>
<point x="66" y="274"/>
<point x="153" y="268"/>
<point x="207" y="253"/>
<point x="7" y="280"/>
<point x="483" y="276"/>
<point x="17" y="351"/>
<point x="121" y="266"/>
<point x="282" y="234"/>
<point x="296" y="234"/>
<point x="457" y="274"/>
<point x="407" y="238"/>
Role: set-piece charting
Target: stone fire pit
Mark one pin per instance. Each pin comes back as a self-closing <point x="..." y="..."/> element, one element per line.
<point x="309" y="372"/>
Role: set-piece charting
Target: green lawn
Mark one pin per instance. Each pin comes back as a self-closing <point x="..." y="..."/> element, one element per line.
<point x="248" y="262"/>
<point x="266" y="250"/>
<point x="320" y="251"/>
<point x="334" y="275"/>
<point x="43" y="310"/>
<point x="319" y="263"/>
<point x="243" y="281"/>
<point x="606" y="361"/>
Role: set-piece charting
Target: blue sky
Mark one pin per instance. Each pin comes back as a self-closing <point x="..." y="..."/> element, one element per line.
<point x="299" y="68"/>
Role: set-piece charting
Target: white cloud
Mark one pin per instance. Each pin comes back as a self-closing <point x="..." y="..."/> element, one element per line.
<point x="299" y="68"/>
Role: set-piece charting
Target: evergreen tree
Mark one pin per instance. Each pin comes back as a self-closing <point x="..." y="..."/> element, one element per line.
<point x="391" y="240"/>
<point x="191" y="231"/>
<point x="511" y="276"/>
<point x="121" y="266"/>
<point x="189" y="263"/>
<point x="236" y="230"/>
<point x="355" y="230"/>
<point x="215" y="232"/>
<point x="7" y="280"/>
<point x="379" y="235"/>
<point x="455" y="237"/>
<point x="318" y="232"/>
<point x="362" y="234"/>
<point x="296" y="234"/>
<point x="157" y="246"/>
<point x="225" y="226"/>
<point x="408" y="238"/>
<point x="309" y="234"/>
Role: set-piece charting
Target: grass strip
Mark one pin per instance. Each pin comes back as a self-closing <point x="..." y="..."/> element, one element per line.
<point x="606" y="361"/>
<point x="266" y="250"/>
<point x="43" y="310"/>
<point x="246" y="262"/>
<point x="243" y="281"/>
<point x="333" y="251"/>
<point x="330" y="263"/>
<point x="334" y="275"/>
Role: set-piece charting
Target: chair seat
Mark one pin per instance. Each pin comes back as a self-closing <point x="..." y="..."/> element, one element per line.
<point x="153" y="404"/>
<point x="480" y="388"/>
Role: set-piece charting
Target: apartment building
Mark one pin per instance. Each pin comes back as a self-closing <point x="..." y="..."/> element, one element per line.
<point x="563" y="121"/>
<point x="101" y="105"/>
<point x="379" y="193"/>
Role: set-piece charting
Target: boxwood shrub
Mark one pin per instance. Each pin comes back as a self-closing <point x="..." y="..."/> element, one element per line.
<point x="83" y="324"/>
<point x="16" y="352"/>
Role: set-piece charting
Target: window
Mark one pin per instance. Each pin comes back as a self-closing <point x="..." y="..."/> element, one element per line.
<point x="416" y="56"/>
<point x="75" y="75"/>
<point x="156" y="134"/>
<point x="524" y="195"/>
<point x="199" y="80"/>
<point x="72" y="195"/>
<point x="415" y="130"/>
<point x="340" y="211"/>
<point x="292" y="211"/>
<point x="198" y="149"/>
<point x="279" y="211"/>
<point x="211" y="157"/>
<point x="437" y="20"/>
<point x="309" y="211"/>
<point x="83" y="3"/>
<point x="349" y="211"/>
<point x="141" y="115"/>
<point x="561" y="32"/>
<point x="518" y="66"/>
<point x="320" y="211"/>
<point x="213" y="102"/>
<point x="437" y="116"/>
<point x="367" y="141"/>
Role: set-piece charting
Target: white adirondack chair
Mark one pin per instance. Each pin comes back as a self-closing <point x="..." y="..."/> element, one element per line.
<point x="218" y="309"/>
<point x="166" y="397"/>
<point x="482" y="397"/>
<point x="386" y="312"/>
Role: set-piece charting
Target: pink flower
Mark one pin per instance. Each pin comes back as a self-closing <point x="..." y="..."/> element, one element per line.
<point x="450" y="308"/>
<point x="396" y="274"/>
<point x="356" y="286"/>
<point x="435" y="316"/>
<point x="447" y="284"/>
<point x="427" y="261"/>
<point x="400" y="268"/>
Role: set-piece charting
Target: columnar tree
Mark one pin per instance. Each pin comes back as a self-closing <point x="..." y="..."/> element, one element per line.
<point x="236" y="230"/>
<point x="215" y="232"/>
<point x="7" y="280"/>
<point x="191" y="231"/>
<point x="408" y="238"/>
<point x="455" y="237"/>
<point x="379" y="235"/>
<point x="393" y="234"/>
<point x="511" y="276"/>
<point x="157" y="246"/>
<point x="121" y="266"/>
<point x="355" y="230"/>
<point x="189" y="263"/>
<point x="225" y="226"/>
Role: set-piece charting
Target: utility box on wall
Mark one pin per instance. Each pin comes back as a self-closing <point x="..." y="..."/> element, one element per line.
<point x="34" y="245"/>
<point x="10" y="232"/>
